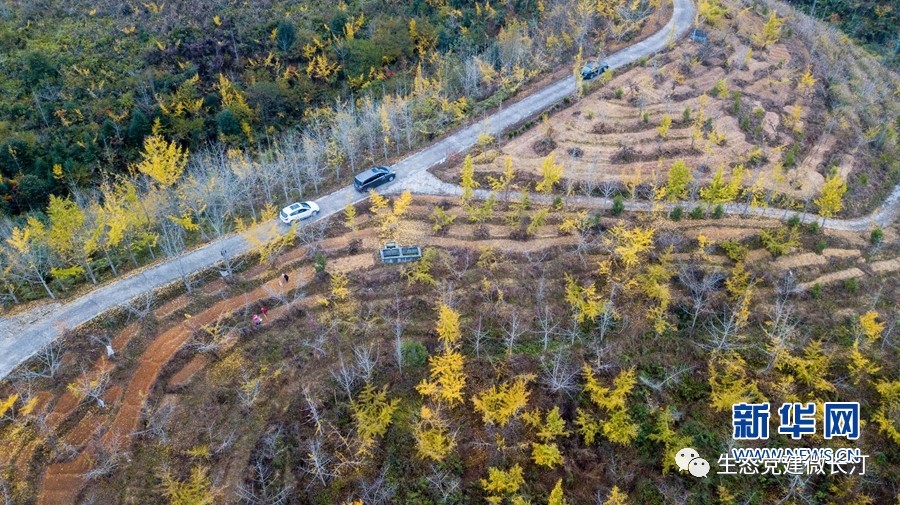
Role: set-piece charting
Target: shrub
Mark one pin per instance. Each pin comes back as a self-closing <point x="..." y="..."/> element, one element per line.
<point x="319" y="262"/>
<point x="619" y="93"/>
<point x="794" y="221"/>
<point x="877" y="236"/>
<point x="557" y="203"/>
<point x="697" y="212"/>
<point x="816" y="291"/>
<point x="686" y="115"/>
<point x="413" y="353"/>
<point x="618" y="205"/>
<point x="820" y="246"/>
<point x="718" y="212"/>
<point x="734" y="250"/>
<point x="780" y="241"/>
<point x="676" y="213"/>
<point x="813" y="227"/>
<point x="851" y="285"/>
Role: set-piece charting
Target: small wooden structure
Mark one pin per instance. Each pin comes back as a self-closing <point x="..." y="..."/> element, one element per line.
<point x="392" y="253"/>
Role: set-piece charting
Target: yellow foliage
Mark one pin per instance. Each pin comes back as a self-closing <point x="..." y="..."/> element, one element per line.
<point x="556" y="496"/>
<point x="770" y="32"/>
<point x="372" y="414"/>
<point x="810" y="369"/>
<point x="588" y="425"/>
<point x="831" y="201"/>
<point x="806" y="80"/>
<point x="630" y="244"/>
<point x="499" y="405"/>
<point x="860" y="366"/>
<point x="889" y="410"/>
<point x="584" y="300"/>
<point x="448" y="326"/>
<point x="197" y="490"/>
<point x="447" y="377"/>
<point x="552" y="426"/>
<point x="433" y="439"/>
<point x="870" y="326"/>
<point x="7" y="404"/>
<point x="467" y="179"/>
<point x="729" y="381"/>
<point x="162" y="161"/>
<point x="671" y="440"/>
<point x="339" y="290"/>
<point x="350" y="217"/>
<point x="546" y="455"/>
<point x="664" y="125"/>
<point x="501" y="483"/>
<point x="551" y="172"/>
<point x="616" y="497"/>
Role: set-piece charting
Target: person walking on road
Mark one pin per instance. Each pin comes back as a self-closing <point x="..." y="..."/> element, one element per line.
<point x="284" y="278"/>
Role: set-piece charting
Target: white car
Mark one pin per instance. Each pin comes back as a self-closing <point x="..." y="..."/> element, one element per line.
<point x="298" y="211"/>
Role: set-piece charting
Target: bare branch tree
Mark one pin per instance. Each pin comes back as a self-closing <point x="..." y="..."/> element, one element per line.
<point x="366" y="360"/>
<point x="547" y="326"/>
<point x="513" y="331"/>
<point x="346" y="376"/>
<point x="318" y="461"/>
<point x="377" y="491"/>
<point x="560" y="374"/>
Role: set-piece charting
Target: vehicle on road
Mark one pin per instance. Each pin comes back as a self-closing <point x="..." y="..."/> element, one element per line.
<point x="373" y="177"/>
<point x="298" y="212"/>
<point x="593" y="69"/>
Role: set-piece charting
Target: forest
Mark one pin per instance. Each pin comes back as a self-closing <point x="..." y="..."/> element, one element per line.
<point x="82" y="85"/>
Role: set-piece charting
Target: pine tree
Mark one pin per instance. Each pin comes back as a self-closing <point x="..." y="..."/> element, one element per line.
<point x="631" y="244"/>
<point x="502" y="184"/>
<point x="770" y="33"/>
<point x="616" y="497"/>
<point x="447" y="378"/>
<point x="433" y="438"/>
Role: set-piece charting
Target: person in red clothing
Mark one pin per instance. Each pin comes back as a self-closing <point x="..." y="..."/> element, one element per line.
<point x="265" y="312"/>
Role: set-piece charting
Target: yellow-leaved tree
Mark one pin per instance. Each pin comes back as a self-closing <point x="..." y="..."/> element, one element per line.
<point x="196" y="490"/>
<point x="889" y="409"/>
<point x="630" y="245"/>
<point x="161" y="160"/>
<point x="372" y="413"/>
<point x="551" y="171"/>
<point x="618" y="426"/>
<point x="447" y="326"/>
<point x="729" y="381"/>
<point x="467" y="179"/>
<point x="870" y="326"/>
<point x="548" y="429"/>
<point x="677" y="183"/>
<point x="446" y="375"/>
<point x="556" y="496"/>
<point x="433" y="438"/>
<point x="671" y="440"/>
<point x="502" y="483"/>
<point x="831" y="201"/>
<point x="500" y="405"/>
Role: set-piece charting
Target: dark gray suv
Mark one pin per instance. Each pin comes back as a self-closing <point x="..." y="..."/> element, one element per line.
<point x="373" y="177"/>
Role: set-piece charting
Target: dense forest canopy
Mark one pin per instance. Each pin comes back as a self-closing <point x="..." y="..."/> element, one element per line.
<point x="872" y="22"/>
<point x="81" y="84"/>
